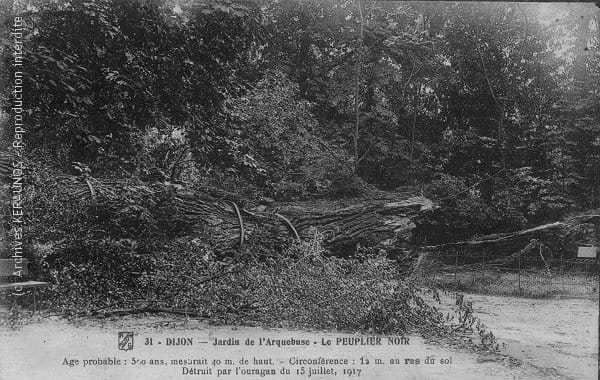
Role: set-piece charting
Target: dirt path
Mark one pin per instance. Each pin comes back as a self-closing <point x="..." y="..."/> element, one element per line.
<point x="558" y="336"/>
<point x="38" y="351"/>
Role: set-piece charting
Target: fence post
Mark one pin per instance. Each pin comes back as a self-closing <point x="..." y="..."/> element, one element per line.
<point x="519" y="273"/>
<point x="473" y="272"/>
<point x="455" y="266"/>
<point x="562" y="267"/>
<point x="434" y="268"/>
<point x="483" y="266"/>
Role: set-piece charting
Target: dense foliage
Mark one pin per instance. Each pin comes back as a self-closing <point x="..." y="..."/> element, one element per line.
<point x="267" y="91"/>
<point x="492" y="109"/>
<point x="102" y="73"/>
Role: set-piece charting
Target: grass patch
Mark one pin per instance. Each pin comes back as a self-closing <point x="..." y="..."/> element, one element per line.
<point x="534" y="284"/>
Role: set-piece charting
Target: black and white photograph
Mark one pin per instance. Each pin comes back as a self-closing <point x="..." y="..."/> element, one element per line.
<point x="299" y="189"/>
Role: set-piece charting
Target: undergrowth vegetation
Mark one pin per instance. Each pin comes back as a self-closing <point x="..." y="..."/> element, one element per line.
<point x="300" y="288"/>
<point x="129" y="250"/>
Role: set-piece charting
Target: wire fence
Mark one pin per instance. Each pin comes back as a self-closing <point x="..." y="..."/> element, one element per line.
<point x="514" y="274"/>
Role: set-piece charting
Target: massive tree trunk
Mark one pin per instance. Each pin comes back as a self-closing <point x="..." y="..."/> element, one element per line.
<point x="377" y="220"/>
<point x="367" y="222"/>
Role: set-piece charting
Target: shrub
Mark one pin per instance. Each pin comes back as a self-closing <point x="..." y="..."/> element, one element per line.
<point x="96" y="249"/>
<point x="461" y="214"/>
<point x="537" y="199"/>
<point x="345" y="184"/>
<point x="287" y="191"/>
<point x="301" y="288"/>
<point x="272" y="129"/>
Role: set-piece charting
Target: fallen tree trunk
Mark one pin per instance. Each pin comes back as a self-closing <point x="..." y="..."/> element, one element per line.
<point x="375" y="224"/>
<point x="560" y="237"/>
<point x="503" y="238"/>
<point x="373" y="221"/>
<point x="385" y="224"/>
<point x="379" y="221"/>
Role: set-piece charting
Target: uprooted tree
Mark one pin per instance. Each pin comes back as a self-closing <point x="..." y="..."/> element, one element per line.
<point x="230" y="221"/>
<point x="135" y="211"/>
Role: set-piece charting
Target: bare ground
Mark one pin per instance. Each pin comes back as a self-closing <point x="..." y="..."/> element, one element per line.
<point x="558" y="336"/>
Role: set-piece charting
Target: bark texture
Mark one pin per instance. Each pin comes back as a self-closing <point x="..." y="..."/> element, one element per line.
<point x="382" y="220"/>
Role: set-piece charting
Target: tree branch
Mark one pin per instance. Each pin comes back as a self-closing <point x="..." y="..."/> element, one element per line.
<point x="333" y="154"/>
<point x="173" y="171"/>
<point x="356" y="88"/>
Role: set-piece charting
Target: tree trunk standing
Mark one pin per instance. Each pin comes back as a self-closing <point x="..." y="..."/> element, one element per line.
<point x="357" y="88"/>
<point x="501" y="136"/>
<point x="498" y="104"/>
<point x="416" y="98"/>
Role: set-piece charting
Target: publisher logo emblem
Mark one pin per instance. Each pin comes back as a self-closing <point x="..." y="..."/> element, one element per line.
<point x="125" y="340"/>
